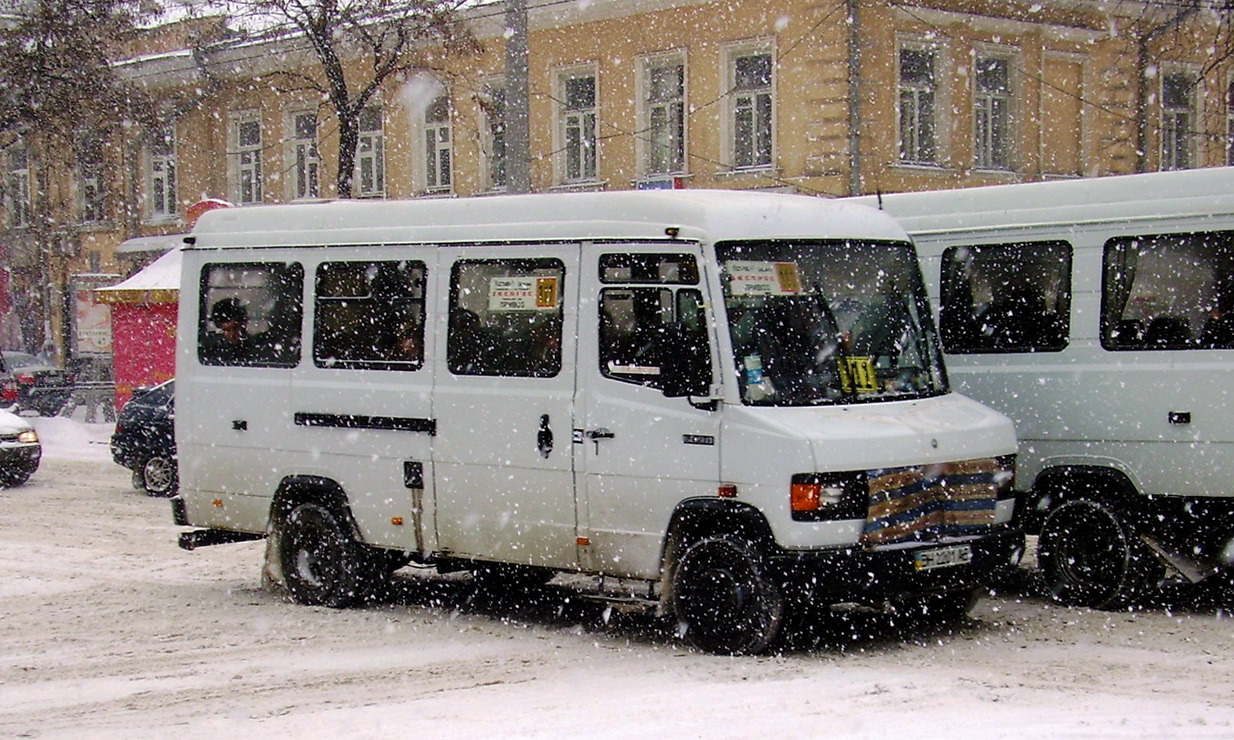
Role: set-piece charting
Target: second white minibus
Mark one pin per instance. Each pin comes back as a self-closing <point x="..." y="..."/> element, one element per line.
<point x="1099" y="315"/>
<point x="736" y="399"/>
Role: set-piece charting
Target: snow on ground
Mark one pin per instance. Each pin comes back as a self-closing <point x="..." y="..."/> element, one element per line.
<point x="108" y="630"/>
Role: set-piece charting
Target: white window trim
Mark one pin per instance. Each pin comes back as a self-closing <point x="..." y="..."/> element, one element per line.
<point x="291" y="151"/>
<point x="941" y="103"/>
<point x="484" y="125"/>
<point x="172" y="198"/>
<point x="560" y="77"/>
<point x="728" y="123"/>
<point x="421" y="171"/>
<point x="235" y="170"/>
<point x="379" y="158"/>
<point x="1011" y="56"/>
<point x="83" y="179"/>
<point x="22" y="216"/>
<point x="642" y="142"/>
<point x="1194" y="152"/>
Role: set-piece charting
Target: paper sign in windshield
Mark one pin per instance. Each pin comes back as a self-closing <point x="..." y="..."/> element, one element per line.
<point x="523" y="294"/>
<point x="763" y="278"/>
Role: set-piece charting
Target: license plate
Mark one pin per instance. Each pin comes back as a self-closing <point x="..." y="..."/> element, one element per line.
<point x="943" y="557"/>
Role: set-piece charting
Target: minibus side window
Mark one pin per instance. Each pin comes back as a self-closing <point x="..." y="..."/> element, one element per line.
<point x="1005" y="298"/>
<point x="369" y="315"/>
<point x="250" y="314"/>
<point x="505" y="317"/>
<point x="1168" y="291"/>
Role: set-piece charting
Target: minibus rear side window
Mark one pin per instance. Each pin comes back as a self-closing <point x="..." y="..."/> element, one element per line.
<point x="1005" y="298"/>
<point x="1168" y="291"/>
<point x="505" y="317"/>
<point x="369" y="315"/>
<point x="250" y="314"/>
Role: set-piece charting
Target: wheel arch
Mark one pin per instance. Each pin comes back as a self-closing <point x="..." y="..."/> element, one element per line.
<point x="299" y="489"/>
<point x="695" y="519"/>
<point x="1059" y="484"/>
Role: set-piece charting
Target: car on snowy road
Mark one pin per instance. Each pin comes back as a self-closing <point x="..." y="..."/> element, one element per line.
<point x="40" y="387"/>
<point x="144" y="440"/>
<point x="20" y="450"/>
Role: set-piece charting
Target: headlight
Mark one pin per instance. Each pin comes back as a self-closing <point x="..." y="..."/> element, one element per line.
<point x="817" y="497"/>
<point x="29" y="436"/>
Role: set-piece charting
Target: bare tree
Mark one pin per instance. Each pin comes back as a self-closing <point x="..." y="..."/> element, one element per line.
<point x="359" y="45"/>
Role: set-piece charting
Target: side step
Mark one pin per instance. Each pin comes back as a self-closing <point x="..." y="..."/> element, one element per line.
<point x="623" y="604"/>
<point x="206" y="537"/>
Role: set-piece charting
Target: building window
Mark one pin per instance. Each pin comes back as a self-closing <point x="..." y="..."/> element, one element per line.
<point x="306" y="159"/>
<point x="578" y="126"/>
<point x="162" y="174"/>
<point x="17" y="192"/>
<point x="493" y="104"/>
<point x="664" y="126"/>
<point x="247" y="148"/>
<point x="1229" y="125"/>
<point x="1177" y="117"/>
<point x="752" y="106"/>
<point x="918" y="93"/>
<point x="91" y="182"/>
<point x="371" y="155"/>
<point x="992" y="114"/>
<point x="437" y="143"/>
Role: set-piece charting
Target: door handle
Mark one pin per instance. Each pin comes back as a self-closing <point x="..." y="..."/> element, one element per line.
<point x="595" y="435"/>
<point x="239" y="425"/>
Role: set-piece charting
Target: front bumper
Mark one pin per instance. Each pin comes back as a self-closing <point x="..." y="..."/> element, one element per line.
<point x="20" y="456"/>
<point x="875" y="576"/>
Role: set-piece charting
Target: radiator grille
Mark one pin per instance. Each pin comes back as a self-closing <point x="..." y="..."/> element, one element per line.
<point x="931" y="501"/>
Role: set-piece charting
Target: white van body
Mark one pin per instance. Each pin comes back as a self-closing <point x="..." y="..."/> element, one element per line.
<point x="1124" y="418"/>
<point x="594" y="460"/>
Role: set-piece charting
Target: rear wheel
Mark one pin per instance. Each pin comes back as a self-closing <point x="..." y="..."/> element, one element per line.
<point x="321" y="563"/>
<point x="725" y="599"/>
<point x="1089" y="556"/>
<point x="159" y="476"/>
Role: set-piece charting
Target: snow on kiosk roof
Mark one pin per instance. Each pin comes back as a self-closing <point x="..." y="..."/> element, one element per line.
<point x="700" y="215"/>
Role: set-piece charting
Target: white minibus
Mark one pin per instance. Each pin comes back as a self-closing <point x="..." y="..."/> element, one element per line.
<point x="735" y="399"/>
<point x="1099" y="315"/>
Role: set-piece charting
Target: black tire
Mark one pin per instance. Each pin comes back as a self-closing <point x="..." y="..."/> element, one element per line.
<point x="159" y="477"/>
<point x="1089" y="556"/>
<point x="725" y="599"/>
<point x="322" y="564"/>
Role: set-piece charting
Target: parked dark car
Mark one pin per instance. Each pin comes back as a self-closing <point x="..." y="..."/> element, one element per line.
<point x="20" y="450"/>
<point x="40" y="387"/>
<point x="145" y="442"/>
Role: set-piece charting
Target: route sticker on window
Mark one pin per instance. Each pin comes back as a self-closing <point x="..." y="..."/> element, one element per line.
<point x="507" y="294"/>
<point x="763" y="278"/>
<point x="857" y="374"/>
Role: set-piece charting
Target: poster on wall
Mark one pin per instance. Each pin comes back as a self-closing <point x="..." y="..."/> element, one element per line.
<point x="92" y="318"/>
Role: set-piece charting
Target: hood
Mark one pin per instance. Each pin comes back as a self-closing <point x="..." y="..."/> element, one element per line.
<point x="883" y="435"/>
<point x="11" y="423"/>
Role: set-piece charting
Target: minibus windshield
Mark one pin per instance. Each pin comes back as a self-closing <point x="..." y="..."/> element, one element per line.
<point x="821" y="322"/>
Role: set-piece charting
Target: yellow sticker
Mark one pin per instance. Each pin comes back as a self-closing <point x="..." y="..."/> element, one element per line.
<point x="857" y="373"/>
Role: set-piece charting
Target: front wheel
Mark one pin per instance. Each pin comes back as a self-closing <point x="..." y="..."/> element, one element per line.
<point x="159" y="477"/>
<point x="321" y="563"/>
<point x="1090" y="557"/>
<point x="725" y="599"/>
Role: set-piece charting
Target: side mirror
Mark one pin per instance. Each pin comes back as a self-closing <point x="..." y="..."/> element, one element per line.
<point x="685" y="362"/>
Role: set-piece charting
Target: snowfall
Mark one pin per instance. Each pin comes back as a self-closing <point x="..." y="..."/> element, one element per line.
<point x="108" y="630"/>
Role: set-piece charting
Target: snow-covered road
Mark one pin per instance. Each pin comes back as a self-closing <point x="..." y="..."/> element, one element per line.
<point x="108" y="630"/>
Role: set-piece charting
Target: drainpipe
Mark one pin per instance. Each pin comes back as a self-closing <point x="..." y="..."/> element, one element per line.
<point x="854" y="99"/>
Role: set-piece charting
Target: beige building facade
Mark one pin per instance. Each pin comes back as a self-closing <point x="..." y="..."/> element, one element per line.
<point x="820" y="97"/>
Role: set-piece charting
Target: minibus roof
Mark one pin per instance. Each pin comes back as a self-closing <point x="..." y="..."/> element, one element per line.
<point x="711" y="215"/>
<point x="1128" y="198"/>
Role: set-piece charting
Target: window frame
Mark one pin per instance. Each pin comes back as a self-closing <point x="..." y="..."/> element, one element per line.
<point x="994" y="114"/>
<point x="287" y="307"/>
<point x="90" y="179"/>
<point x="388" y="307"/>
<point x="672" y="106"/>
<point x="304" y="156"/>
<point x="248" y="185"/>
<point x="438" y="138"/>
<point x="915" y="149"/>
<point x="578" y="128"/>
<point x="162" y="199"/>
<point x="757" y="102"/>
<point x="493" y="135"/>
<point x="18" y="193"/>
<point x="955" y="321"/>
<point x="1178" y="122"/>
<point x="370" y="152"/>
